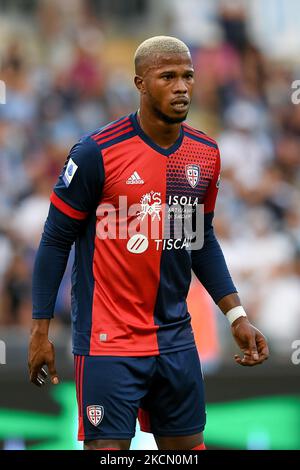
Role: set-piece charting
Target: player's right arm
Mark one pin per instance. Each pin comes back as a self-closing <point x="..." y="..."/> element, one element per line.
<point x="41" y="352"/>
<point x="75" y="196"/>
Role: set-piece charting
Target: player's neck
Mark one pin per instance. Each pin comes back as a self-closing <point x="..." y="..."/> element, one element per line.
<point x="160" y="132"/>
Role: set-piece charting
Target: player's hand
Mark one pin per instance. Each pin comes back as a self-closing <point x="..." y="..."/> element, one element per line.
<point x="251" y="342"/>
<point x="41" y="352"/>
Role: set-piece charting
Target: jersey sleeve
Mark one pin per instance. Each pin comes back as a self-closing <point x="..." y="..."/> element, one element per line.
<point x="213" y="188"/>
<point x="209" y="263"/>
<point x="78" y="189"/>
<point x="75" y="195"/>
<point x="210" y="266"/>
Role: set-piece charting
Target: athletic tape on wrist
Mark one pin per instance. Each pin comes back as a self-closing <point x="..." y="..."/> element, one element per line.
<point x="235" y="313"/>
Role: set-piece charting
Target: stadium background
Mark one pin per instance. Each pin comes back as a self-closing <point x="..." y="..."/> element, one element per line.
<point x="67" y="67"/>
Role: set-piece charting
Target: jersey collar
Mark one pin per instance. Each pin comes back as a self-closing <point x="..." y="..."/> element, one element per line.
<point x="151" y="143"/>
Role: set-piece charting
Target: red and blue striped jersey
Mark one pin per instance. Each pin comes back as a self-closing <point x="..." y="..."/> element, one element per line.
<point x="129" y="292"/>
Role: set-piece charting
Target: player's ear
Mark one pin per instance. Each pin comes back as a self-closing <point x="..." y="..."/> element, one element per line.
<point x="139" y="83"/>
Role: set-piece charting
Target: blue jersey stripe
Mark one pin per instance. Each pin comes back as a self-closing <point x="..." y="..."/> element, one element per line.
<point x="117" y="140"/>
<point x="200" y="139"/>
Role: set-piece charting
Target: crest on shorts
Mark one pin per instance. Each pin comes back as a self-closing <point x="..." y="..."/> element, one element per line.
<point x="95" y="414"/>
<point x="192" y="173"/>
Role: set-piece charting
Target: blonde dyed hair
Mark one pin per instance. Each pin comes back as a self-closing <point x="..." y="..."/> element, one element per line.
<point x="158" y="45"/>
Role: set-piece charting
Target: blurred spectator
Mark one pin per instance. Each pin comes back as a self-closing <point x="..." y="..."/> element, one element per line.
<point x="278" y="312"/>
<point x="16" y="286"/>
<point x="245" y="146"/>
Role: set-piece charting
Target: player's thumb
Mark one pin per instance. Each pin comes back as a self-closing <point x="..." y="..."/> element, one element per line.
<point x="252" y="348"/>
<point x="53" y="374"/>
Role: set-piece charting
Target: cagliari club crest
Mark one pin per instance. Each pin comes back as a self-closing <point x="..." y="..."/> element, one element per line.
<point x="192" y="173"/>
<point x="95" y="414"/>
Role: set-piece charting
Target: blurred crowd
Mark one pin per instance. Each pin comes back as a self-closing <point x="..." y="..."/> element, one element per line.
<point x="66" y="74"/>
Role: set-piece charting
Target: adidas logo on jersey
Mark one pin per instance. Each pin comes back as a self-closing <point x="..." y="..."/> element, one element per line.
<point x="135" y="179"/>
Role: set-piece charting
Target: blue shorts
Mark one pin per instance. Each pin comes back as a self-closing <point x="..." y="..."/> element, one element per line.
<point x="165" y="392"/>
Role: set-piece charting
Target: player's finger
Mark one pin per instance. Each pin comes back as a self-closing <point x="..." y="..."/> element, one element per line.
<point x="252" y="348"/>
<point x="237" y="359"/>
<point x="263" y="351"/>
<point x="261" y="343"/>
<point x="53" y="374"/>
<point x="263" y="356"/>
<point x="240" y="360"/>
<point x="262" y="347"/>
<point x="247" y="361"/>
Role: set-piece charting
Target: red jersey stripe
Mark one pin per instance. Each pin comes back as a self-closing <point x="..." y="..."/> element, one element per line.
<point x="144" y="420"/>
<point x="111" y="131"/>
<point x="199" y="447"/>
<point x="112" y="126"/>
<point x="102" y="141"/>
<point x="66" y="209"/>
<point x="81" y="384"/>
<point x="198" y="133"/>
<point x="81" y="433"/>
<point x="193" y="129"/>
<point x="76" y="377"/>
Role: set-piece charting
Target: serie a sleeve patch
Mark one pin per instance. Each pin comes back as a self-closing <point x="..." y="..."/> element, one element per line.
<point x="69" y="172"/>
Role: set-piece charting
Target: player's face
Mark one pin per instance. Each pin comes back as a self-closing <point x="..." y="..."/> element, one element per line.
<point x="168" y="86"/>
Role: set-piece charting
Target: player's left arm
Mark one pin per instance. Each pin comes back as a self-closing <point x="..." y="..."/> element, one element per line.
<point x="250" y="340"/>
<point x="211" y="269"/>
